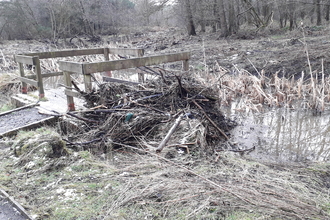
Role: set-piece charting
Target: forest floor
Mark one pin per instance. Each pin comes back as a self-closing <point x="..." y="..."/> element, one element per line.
<point x="130" y="184"/>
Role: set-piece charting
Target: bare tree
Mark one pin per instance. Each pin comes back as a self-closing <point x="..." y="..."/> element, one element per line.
<point x="189" y="17"/>
<point x="318" y="12"/>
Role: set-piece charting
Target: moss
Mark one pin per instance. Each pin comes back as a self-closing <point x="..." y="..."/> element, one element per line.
<point x="243" y="215"/>
<point x="7" y="107"/>
<point x="43" y="99"/>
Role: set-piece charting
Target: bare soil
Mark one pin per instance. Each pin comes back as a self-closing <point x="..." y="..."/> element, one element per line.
<point x="127" y="183"/>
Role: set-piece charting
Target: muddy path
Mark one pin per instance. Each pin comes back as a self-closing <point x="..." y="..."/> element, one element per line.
<point x="19" y="118"/>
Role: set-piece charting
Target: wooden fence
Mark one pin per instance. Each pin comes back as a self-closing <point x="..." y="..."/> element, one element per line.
<point x="67" y="68"/>
<point x="87" y="69"/>
<point x="34" y="60"/>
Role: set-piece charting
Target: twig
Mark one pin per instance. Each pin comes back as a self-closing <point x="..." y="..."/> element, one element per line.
<point x="188" y="170"/>
<point x="77" y="88"/>
<point x="169" y="134"/>
<point x="83" y="143"/>
<point x="254" y="67"/>
<point x="210" y="120"/>
<point x="245" y="150"/>
<point x="81" y="118"/>
<point x="174" y="116"/>
<point x="157" y="110"/>
<point x="139" y="99"/>
<point x="178" y="200"/>
<point x="149" y="69"/>
<point x="50" y="114"/>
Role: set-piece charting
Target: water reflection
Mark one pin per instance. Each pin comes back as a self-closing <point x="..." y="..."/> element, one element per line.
<point x="283" y="134"/>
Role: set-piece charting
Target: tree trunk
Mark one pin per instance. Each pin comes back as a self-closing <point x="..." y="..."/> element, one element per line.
<point x="292" y="15"/>
<point x="214" y="23"/>
<point x="327" y="12"/>
<point x="311" y="14"/>
<point x="202" y="20"/>
<point x="318" y="12"/>
<point x="223" y="21"/>
<point x="238" y="11"/>
<point x="232" y="19"/>
<point x="190" y="21"/>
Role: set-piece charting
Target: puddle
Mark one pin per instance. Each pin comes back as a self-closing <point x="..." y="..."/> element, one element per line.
<point x="283" y="135"/>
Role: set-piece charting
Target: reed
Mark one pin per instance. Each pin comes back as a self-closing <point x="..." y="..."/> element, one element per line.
<point x="257" y="92"/>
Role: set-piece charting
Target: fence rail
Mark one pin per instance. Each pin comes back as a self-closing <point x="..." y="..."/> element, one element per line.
<point x="86" y="69"/>
<point x="34" y="59"/>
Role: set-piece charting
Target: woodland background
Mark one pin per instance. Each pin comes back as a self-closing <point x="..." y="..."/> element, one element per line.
<point x="55" y="19"/>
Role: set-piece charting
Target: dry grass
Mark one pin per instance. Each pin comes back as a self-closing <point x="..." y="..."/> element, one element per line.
<point x="134" y="184"/>
<point x="129" y="184"/>
<point x="259" y="92"/>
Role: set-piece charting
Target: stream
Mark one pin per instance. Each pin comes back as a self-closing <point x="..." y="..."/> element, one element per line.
<point x="283" y="135"/>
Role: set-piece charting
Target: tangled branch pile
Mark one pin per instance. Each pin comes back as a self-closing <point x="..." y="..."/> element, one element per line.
<point x="121" y="114"/>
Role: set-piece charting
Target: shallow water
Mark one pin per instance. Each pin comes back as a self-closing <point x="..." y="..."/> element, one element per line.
<point x="283" y="135"/>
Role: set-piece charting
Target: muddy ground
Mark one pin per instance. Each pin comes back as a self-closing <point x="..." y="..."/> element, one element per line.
<point x="132" y="184"/>
<point x="19" y="119"/>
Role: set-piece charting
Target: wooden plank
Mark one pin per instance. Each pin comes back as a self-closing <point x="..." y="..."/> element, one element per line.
<point x="131" y="63"/>
<point x="127" y="51"/>
<point x="31" y="77"/>
<point x="109" y="79"/>
<point x="24" y="59"/>
<point x="72" y="93"/>
<point x="83" y="52"/>
<point x="18" y="206"/>
<point x="20" y="108"/>
<point x="29" y="81"/>
<point x="45" y="75"/>
<point x="67" y="53"/>
<point x="72" y="67"/>
<point x="29" y="126"/>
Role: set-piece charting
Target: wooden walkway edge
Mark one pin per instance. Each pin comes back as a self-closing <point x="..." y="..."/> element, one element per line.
<point x="16" y="205"/>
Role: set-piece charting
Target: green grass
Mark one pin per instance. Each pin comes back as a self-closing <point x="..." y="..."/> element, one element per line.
<point x="7" y="107"/>
<point x="243" y="215"/>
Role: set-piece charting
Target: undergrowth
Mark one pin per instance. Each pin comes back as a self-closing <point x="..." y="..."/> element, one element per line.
<point x="129" y="184"/>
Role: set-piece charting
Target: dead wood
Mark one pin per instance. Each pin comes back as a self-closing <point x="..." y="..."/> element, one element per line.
<point x="126" y="114"/>
<point x="169" y="134"/>
<point x="208" y="118"/>
<point x="81" y="118"/>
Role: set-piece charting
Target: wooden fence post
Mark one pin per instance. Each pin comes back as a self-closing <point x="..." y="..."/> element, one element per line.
<point x="140" y="74"/>
<point x="88" y="82"/>
<point x="36" y="62"/>
<point x="106" y="53"/>
<point x="24" y="85"/>
<point x="106" y="57"/>
<point x="185" y="65"/>
<point x="68" y="83"/>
